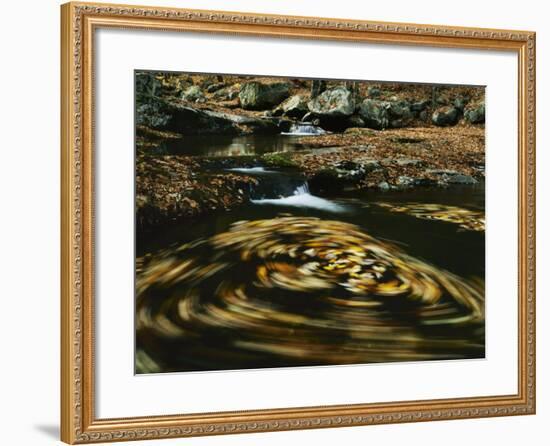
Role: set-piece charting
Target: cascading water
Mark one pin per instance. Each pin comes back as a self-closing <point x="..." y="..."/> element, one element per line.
<point x="286" y="189"/>
<point x="304" y="128"/>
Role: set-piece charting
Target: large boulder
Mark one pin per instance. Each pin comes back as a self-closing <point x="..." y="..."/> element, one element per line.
<point x="385" y="114"/>
<point x="475" y="115"/>
<point x="182" y="119"/>
<point x="261" y="96"/>
<point x="375" y="114"/>
<point x="293" y="107"/>
<point x="446" y="116"/>
<point x="337" y="102"/>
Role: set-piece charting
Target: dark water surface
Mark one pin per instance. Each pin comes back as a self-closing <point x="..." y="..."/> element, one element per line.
<point x="291" y="279"/>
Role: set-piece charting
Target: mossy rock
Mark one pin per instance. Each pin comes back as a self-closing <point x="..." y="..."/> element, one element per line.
<point x="279" y="159"/>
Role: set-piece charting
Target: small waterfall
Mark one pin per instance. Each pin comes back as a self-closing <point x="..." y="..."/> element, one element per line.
<point x="250" y="170"/>
<point x="301" y="197"/>
<point x="304" y="128"/>
<point x="302" y="189"/>
<point x="285" y="189"/>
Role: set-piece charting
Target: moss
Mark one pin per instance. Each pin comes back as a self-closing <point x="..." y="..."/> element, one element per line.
<point x="279" y="159"/>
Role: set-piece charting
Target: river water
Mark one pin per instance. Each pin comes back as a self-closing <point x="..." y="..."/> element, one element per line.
<point x="294" y="279"/>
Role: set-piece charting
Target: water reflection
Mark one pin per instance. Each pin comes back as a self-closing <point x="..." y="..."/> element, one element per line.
<point x="218" y="145"/>
<point x="290" y="291"/>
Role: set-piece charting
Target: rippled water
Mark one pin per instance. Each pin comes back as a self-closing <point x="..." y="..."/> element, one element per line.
<point x="292" y="279"/>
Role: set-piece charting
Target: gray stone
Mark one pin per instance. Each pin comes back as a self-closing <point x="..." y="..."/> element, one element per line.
<point x="460" y="102"/>
<point x="408" y="162"/>
<point x="375" y="113"/>
<point x="215" y="87"/>
<point x="419" y="106"/>
<point x="384" y="186"/>
<point x="475" y="115"/>
<point x="260" y="96"/>
<point x="461" y="179"/>
<point x="374" y="92"/>
<point x="293" y="107"/>
<point x="337" y="102"/>
<point x="404" y="182"/>
<point x="192" y="94"/>
<point x="226" y="93"/>
<point x="446" y="116"/>
<point x="385" y="114"/>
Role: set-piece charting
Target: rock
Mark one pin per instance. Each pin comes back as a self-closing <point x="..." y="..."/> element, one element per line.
<point x="385" y="114"/>
<point x="400" y="114"/>
<point x="404" y="182"/>
<point x="452" y="176"/>
<point x="260" y="96"/>
<point x="152" y="114"/>
<point x="192" y="94"/>
<point x="460" y="102"/>
<point x="374" y="92"/>
<point x="417" y="107"/>
<point x="461" y="179"/>
<point x="355" y="121"/>
<point x="293" y="107"/>
<point x="409" y="162"/>
<point x="475" y="115"/>
<point x="147" y="86"/>
<point x="383" y="186"/>
<point x="446" y="116"/>
<point x="334" y="103"/>
<point x="185" y="120"/>
<point x="215" y="87"/>
<point x="375" y="114"/>
<point x="190" y="121"/>
<point x="227" y="93"/>
<point x="250" y="124"/>
<point x="311" y="118"/>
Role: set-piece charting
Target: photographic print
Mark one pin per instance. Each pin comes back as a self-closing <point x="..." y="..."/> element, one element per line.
<point x="283" y="222"/>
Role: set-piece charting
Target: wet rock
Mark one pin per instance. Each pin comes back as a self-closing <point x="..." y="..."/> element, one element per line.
<point x="446" y="116"/>
<point x="193" y="94"/>
<point x="461" y="179"/>
<point x="475" y="115"/>
<point x="293" y="107"/>
<point x="332" y="107"/>
<point x="404" y="182"/>
<point x="260" y="96"/>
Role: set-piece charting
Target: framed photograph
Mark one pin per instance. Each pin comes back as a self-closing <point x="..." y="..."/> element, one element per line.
<point x="274" y="223"/>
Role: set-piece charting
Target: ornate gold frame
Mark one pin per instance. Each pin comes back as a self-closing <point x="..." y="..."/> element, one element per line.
<point x="78" y="423"/>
